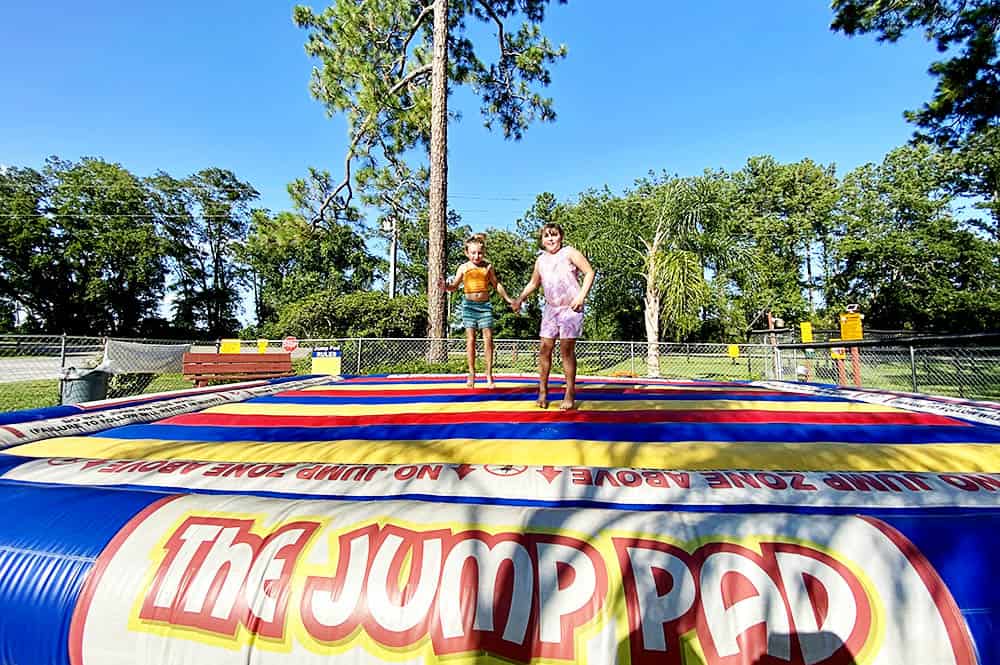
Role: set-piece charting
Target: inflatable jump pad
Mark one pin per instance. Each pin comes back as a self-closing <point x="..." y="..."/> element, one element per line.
<point x="413" y="520"/>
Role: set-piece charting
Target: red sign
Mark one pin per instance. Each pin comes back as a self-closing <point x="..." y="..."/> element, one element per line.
<point x="290" y="344"/>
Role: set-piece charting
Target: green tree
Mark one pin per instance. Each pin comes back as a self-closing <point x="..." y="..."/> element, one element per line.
<point x="7" y="315"/>
<point x="661" y="252"/>
<point x="788" y="210"/>
<point x="967" y="97"/>
<point x="977" y="174"/>
<point x="387" y="65"/>
<point x="904" y="257"/>
<point x="288" y="259"/>
<point x="210" y="217"/>
<point x="81" y="252"/>
<point x="687" y="242"/>
<point x="31" y="268"/>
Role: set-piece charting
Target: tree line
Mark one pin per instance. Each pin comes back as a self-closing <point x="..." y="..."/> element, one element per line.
<point x="90" y="248"/>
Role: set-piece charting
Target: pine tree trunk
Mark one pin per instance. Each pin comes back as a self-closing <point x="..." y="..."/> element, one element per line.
<point x="437" y="312"/>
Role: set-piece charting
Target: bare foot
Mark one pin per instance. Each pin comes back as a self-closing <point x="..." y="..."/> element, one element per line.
<point x="490" y="384"/>
<point x="542" y="402"/>
<point x="470" y="382"/>
<point x="567" y="405"/>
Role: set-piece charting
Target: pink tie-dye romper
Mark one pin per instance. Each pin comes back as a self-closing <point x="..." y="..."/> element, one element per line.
<point x="561" y="284"/>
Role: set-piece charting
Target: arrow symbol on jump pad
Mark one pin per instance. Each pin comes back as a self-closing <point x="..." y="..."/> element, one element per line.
<point x="462" y="470"/>
<point x="550" y="473"/>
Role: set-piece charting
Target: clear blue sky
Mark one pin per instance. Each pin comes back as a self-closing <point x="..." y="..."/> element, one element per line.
<point x="678" y="85"/>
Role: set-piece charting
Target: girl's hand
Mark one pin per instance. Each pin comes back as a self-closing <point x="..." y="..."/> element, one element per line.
<point x="577" y="304"/>
<point x="442" y="284"/>
<point x="516" y="305"/>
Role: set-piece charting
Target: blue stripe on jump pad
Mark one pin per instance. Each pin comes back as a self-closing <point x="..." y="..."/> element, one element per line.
<point x="647" y="432"/>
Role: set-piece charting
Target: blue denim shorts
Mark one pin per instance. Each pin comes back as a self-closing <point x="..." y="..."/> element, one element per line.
<point x="477" y="314"/>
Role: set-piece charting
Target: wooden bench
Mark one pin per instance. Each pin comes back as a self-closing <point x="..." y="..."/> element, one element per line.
<point x="205" y="368"/>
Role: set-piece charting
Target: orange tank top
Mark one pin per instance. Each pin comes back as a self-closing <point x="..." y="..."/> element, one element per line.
<point x="475" y="279"/>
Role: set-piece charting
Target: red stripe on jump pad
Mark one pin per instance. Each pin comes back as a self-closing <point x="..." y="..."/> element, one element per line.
<point x="556" y="416"/>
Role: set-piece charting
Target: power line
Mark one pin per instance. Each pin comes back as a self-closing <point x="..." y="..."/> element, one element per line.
<point x="210" y="188"/>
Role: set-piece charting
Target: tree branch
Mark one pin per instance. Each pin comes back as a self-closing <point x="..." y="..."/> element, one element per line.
<point x="416" y="73"/>
<point x="496" y="19"/>
<point x="401" y="61"/>
<point x="346" y="182"/>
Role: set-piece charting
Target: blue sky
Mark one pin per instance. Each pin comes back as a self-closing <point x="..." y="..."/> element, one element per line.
<point x="676" y="85"/>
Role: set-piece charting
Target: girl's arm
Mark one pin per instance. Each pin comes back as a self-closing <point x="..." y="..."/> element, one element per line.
<point x="583" y="265"/>
<point x="454" y="284"/>
<point x="533" y="283"/>
<point x="495" y="281"/>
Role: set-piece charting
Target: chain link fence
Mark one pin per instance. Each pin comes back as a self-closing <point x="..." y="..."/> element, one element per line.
<point x="600" y="358"/>
<point x="33" y="368"/>
<point x="964" y="366"/>
<point x="37" y="370"/>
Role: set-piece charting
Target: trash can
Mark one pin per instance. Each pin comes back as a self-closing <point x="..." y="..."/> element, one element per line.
<point x="82" y="385"/>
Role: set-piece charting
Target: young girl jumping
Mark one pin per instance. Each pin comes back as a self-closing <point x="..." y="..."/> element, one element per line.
<point x="477" y="276"/>
<point x="557" y="270"/>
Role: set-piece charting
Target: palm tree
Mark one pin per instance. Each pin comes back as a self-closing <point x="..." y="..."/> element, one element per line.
<point x="677" y="237"/>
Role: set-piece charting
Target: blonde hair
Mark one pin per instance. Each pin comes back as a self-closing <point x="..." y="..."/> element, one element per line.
<point x="476" y="239"/>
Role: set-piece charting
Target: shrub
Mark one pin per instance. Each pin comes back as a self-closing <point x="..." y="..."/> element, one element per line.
<point x="359" y="314"/>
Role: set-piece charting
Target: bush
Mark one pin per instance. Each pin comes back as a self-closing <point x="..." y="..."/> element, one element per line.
<point x="455" y="366"/>
<point x="359" y="314"/>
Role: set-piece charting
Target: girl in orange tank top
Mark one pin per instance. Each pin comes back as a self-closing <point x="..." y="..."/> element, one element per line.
<point x="477" y="276"/>
<point x="476" y="279"/>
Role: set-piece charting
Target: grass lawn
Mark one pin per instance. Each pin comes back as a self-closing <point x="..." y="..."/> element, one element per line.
<point x="20" y="395"/>
<point x="28" y="394"/>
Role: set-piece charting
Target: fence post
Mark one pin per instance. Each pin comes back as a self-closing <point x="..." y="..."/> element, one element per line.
<point x="359" y="356"/>
<point x="913" y="369"/>
<point x="632" y="354"/>
<point x="62" y="352"/>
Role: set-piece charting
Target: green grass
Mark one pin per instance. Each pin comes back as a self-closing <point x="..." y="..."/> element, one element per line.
<point x="165" y="382"/>
<point x="21" y="395"/>
<point x="28" y="394"/>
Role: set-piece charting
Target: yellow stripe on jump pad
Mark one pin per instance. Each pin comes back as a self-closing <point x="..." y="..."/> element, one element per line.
<point x="692" y="455"/>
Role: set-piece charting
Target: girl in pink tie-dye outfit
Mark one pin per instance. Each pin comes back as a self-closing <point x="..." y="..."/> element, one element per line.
<point x="557" y="271"/>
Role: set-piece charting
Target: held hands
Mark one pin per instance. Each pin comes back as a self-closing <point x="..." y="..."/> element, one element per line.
<point x="515" y="305"/>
